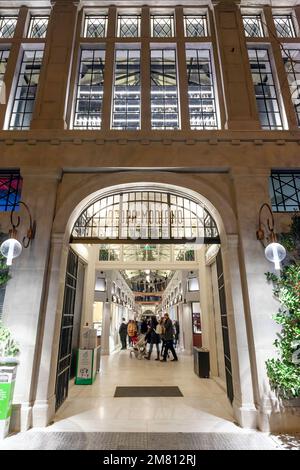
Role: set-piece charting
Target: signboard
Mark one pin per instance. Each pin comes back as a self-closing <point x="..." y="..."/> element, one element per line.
<point x="86" y="366"/>
<point x="7" y="385"/>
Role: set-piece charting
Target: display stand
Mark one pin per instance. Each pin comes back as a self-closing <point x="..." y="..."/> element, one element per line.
<point x="88" y="364"/>
<point x="7" y="385"/>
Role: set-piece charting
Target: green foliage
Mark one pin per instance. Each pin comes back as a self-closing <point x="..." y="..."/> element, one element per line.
<point x="284" y="371"/>
<point x="8" y="346"/>
<point x="4" y="276"/>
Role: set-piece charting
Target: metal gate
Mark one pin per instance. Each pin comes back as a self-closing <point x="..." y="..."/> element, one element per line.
<point x="65" y="344"/>
<point x="224" y="323"/>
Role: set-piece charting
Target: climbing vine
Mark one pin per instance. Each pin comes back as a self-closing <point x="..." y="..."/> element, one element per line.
<point x="284" y="371"/>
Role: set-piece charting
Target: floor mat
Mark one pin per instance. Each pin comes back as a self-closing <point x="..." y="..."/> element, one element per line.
<point x="148" y="392"/>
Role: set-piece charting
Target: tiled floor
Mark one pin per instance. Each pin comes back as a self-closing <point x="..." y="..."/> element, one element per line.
<point x="204" y="406"/>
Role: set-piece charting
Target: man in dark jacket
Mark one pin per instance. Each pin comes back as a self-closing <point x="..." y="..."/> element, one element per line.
<point x="169" y="336"/>
<point x="123" y="333"/>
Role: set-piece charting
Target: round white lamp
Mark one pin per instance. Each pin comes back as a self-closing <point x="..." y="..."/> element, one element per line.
<point x="275" y="253"/>
<point x="11" y="249"/>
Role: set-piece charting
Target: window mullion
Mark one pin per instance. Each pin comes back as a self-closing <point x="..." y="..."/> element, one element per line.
<point x="109" y="70"/>
<point x="181" y="66"/>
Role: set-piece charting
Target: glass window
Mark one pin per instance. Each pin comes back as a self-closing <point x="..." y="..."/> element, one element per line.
<point x="193" y="284"/>
<point x="129" y="26"/>
<point x="38" y="27"/>
<point x="89" y="96"/>
<point x="285" y="191"/>
<point x="291" y="59"/>
<point x="127" y="90"/>
<point x="284" y="26"/>
<point x="95" y="26"/>
<point x="100" y="285"/>
<point x="10" y="190"/>
<point x="196" y="318"/>
<point x="7" y="26"/>
<point x="253" y="26"/>
<point x="202" y="105"/>
<point x="26" y="90"/>
<point x="4" y="54"/>
<point x="265" y="89"/>
<point x="162" y="26"/>
<point x="195" y="26"/>
<point x="164" y="90"/>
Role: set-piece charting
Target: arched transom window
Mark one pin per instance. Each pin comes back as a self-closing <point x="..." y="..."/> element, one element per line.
<point x="145" y="216"/>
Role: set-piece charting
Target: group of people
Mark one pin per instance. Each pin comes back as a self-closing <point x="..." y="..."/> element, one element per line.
<point x="162" y="332"/>
<point x="156" y="285"/>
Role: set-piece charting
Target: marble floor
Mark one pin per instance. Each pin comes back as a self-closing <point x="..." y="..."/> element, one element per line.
<point x="204" y="406"/>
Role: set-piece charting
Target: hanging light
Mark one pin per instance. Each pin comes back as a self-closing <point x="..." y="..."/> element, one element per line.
<point x="12" y="248"/>
<point x="274" y="251"/>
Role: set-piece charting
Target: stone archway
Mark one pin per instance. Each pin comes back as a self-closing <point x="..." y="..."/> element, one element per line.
<point x="69" y="208"/>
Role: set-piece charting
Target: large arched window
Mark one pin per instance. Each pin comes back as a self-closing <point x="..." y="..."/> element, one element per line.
<point x="143" y="216"/>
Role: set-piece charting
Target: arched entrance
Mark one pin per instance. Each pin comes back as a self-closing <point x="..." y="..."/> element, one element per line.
<point x="94" y="220"/>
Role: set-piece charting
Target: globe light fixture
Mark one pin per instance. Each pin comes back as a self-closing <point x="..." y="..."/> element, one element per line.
<point x="12" y="248"/>
<point x="274" y="251"/>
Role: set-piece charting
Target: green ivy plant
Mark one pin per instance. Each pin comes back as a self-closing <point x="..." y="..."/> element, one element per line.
<point x="8" y="346"/>
<point x="284" y="371"/>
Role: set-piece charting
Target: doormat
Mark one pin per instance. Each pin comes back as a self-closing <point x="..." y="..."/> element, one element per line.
<point x="148" y="392"/>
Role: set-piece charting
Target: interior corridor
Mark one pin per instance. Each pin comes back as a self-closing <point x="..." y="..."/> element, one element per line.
<point x="204" y="406"/>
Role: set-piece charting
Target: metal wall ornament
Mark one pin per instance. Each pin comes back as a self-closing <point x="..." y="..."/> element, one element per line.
<point x="12" y="248"/>
<point x="274" y="251"/>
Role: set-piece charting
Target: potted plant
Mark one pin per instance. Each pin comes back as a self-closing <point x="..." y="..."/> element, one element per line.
<point x="9" y="349"/>
<point x="284" y="371"/>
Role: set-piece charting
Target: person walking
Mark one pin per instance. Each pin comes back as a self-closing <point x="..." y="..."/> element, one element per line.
<point x="123" y="333"/>
<point x="144" y="326"/>
<point x="169" y="337"/>
<point x="131" y="330"/>
<point x="153" y="338"/>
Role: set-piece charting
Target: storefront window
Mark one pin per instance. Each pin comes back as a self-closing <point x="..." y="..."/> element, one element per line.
<point x="196" y="316"/>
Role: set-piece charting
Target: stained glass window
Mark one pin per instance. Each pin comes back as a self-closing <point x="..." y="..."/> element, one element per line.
<point x="95" y="26"/>
<point x="38" y="27"/>
<point x="26" y="90"/>
<point x="89" y="97"/>
<point x="285" y="191"/>
<point x="7" y="26"/>
<point x="284" y="26"/>
<point x="162" y="26"/>
<point x="127" y="90"/>
<point x="202" y="105"/>
<point x="253" y="26"/>
<point x="164" y="89"/>
<point x="265" y="89"/>
<point x="10" y="190"/>
<point x="129" y="26"/>
<point x="195" y="26"/>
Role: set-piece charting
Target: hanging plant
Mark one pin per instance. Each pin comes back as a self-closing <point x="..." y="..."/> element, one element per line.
<point x="284" y="371"/>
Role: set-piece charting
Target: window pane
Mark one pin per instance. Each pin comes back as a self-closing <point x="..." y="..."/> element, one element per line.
<point x="162" y="26"/>
<point x="129" y="26"/>
<point x="7" y="26"/>
<point x="26" y="89"/>
<point x="195" y="26"/>
<point x="10" y="190"/>
<point x="253" y="26"/>
<point x="284" y="26"/>
<point x="89" y="96"/>
<point x="285" y="191"/>
<point x="265" y="90"/>
<point x="127" y="90"/>
<point x="38" y="27"/>
<point x="202" y="106"/>
<point x="164" y="91"/>
<point x="95" y="26"/>
<point x="291" y="59"/>
<point x="4" y="53"/>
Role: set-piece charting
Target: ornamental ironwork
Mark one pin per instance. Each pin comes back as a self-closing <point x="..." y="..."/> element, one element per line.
<point x="140" y="216"/>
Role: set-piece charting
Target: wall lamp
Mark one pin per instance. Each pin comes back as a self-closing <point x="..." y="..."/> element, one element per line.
<point x="12" y="248"/>
<point x="274" y="251"/>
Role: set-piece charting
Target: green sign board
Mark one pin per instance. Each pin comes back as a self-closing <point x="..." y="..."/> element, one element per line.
<point x="7" y="385"/>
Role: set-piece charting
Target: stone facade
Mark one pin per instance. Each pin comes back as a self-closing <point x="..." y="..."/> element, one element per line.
<point x="64" y="168"/>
